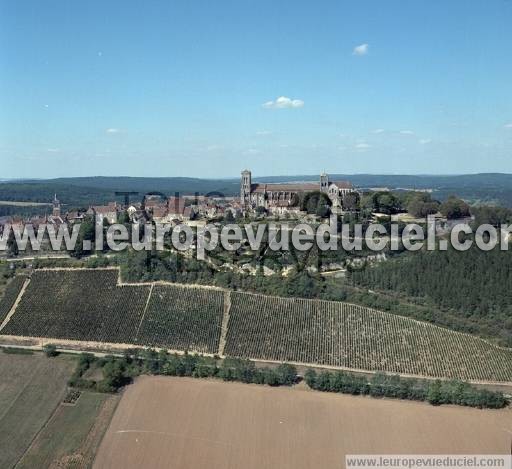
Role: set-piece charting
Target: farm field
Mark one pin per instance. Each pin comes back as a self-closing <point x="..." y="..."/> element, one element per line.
<point x="351" y="336"/>
<point x="73" y="434"/>
<point x="166" y="422"/>
<point x="89" y="305"/>
<point x="31" y="387"/>
<point x="24" y="204"/>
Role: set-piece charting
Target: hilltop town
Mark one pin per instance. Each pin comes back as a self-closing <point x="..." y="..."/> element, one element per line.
<point x="255" y="200"/>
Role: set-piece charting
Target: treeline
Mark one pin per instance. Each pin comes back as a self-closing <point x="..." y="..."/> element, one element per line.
<point x="120" y="371"/>
<point x="44" y="191"/>
<point x="418" y="204"/>
<point x="146" y="266"/>
<point x="23" y="211"/>
<point x="474" y="287"/>
<point x="381" y="385"/>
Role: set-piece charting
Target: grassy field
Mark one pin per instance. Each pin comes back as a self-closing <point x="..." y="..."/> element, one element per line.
<point x="73" y="434"/>
<point x="31" y="388"/>
<point x="37" y="430"/>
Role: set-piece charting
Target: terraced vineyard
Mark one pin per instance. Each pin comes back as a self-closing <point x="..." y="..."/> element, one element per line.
<point x="79" y="305"/>
<point x="89" y="305"/>
<point x="11" y="293"/>
<point x="340" y="334"/>
<point x="183" y="318"/>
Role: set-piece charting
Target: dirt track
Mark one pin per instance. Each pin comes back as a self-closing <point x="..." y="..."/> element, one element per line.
<point x="200" y="424"/>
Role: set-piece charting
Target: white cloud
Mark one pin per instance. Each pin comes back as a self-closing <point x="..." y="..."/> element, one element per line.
<point x="378" y="131"/>
<point x="362" y="146"/>
<point x="263" y="132"/>
<point x="362" y="49"/>
<point x="407" y="132"/>
<point x="53" y="150"/>
<point x="425" y="141"/>
<point x="284" y="103"/>
<point x="252" y="151"/>
<point x="113" y="131"/>
<point x="508" y="126"/>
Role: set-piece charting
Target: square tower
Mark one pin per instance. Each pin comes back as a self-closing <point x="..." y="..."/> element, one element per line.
<point x="245" y="187"/>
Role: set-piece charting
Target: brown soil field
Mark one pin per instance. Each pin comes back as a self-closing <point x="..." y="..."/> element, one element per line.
<point x="184" y="423"/>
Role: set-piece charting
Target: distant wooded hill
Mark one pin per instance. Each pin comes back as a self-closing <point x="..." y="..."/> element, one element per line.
<point x="82" y="191"/>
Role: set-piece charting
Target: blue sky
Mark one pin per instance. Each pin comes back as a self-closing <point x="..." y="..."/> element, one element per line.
<point x="192" y="88"/>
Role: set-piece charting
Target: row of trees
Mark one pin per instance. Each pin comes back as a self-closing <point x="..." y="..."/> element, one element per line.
<point x="119" y="371"/>
<point x="418" y="204"/>
<point x="381" y="385"/>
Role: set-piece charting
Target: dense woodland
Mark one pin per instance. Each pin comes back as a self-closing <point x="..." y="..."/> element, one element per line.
<point x="473" y="288"/>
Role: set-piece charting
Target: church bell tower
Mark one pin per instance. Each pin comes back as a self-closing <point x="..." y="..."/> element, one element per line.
<point x="324" y="183"/>
<point x="245" y="187"/>
<point x="56" y="206"/>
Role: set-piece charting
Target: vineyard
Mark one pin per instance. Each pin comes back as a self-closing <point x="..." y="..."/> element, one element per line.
<point x="90" y="305"/>
<point x="79" y="305"/>
<point x="11" y="293"/>
<point x="183" y="318"/>
<point x="344" y="335"/>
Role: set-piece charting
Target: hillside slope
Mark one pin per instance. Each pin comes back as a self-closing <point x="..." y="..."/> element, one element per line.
<point x="91" y="305"/>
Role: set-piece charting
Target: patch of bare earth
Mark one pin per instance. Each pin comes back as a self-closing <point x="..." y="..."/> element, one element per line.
<point x="184" y="423"/>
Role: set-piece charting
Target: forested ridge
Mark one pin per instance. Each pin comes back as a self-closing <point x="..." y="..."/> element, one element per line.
<point x="473" y="285"/>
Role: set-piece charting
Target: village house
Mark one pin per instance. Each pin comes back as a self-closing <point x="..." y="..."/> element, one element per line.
<point x="105" y="212"/>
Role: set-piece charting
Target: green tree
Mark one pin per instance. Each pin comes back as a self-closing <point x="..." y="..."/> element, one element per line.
<point x="286" y="374"/>
<point x="316" y="203"/>
<point x="420" y="205"/>
<point x="434" y="395"/>
<point x="310" y="377"/>
<point x="228" y="217"/>
<point x="50" y="350"/>
<point x="351" y="201"/>
<point x="12" y="245"/>
<point x="453" y="208"/>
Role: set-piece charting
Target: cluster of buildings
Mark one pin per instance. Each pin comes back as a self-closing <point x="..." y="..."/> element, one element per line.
<point x="255" y="199"/>
<point x="56" y="218"/>
<point x="174" y="210"/>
